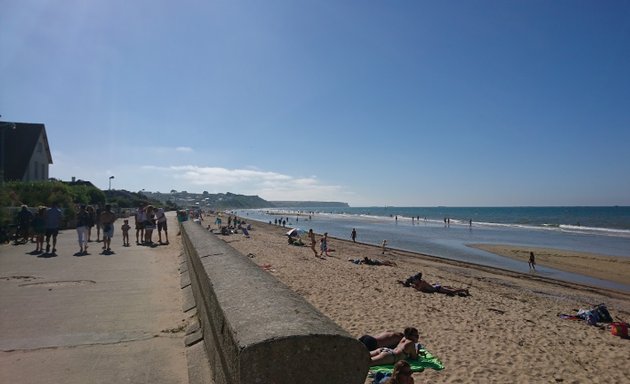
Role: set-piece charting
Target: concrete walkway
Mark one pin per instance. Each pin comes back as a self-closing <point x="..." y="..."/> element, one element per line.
<point x="92" y="319"/>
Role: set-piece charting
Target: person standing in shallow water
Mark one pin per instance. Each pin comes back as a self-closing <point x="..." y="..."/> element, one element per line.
<point x="353" y="235"/>
<point x="532" y="261"/>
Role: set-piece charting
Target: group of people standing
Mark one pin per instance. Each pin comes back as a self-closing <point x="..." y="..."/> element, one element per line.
<point x="323" y="244"/>
<point x="147" y="219"/>
<point x="44" y="224"/>
<point x="89" y="217"/>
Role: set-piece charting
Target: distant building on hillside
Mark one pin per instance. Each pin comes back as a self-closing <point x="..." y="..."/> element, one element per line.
<point x="24" y="152"/>
<point x="74" y="181"/>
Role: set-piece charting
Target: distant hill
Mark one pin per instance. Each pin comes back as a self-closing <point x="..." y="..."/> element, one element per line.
<point x="126" y="199"/>
<point x="218" y="201"/>
<point x="309" y="204"/>
<point x="221" y="201"/>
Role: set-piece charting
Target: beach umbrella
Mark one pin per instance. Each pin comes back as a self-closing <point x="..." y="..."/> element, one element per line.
<point x="295" y="232"/>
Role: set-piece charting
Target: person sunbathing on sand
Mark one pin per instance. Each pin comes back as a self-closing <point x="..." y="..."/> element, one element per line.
<point x="405" y="349"/>
<point x="384" y="339"/>
<point x="367" y="261"/>
<point x="421" y="285"/>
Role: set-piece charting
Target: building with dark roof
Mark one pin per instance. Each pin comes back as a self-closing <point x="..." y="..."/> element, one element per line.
<point x="24" y="152"/>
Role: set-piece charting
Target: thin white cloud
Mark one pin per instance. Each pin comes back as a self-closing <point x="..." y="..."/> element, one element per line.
<point x="268" y="185"/>
<point x="167" y="150"/>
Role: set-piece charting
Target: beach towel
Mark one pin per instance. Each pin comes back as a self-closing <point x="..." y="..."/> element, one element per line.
<point x="425" y="360"/>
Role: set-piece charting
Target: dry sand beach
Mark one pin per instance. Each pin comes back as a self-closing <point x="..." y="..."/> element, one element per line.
<point x="507" y="331"/>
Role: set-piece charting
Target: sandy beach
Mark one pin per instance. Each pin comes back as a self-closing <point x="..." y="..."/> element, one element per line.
<point x="507" y="331"/>
<point x="611" y="268"/>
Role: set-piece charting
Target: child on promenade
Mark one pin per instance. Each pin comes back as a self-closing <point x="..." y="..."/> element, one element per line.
<point x="125" y="232"/>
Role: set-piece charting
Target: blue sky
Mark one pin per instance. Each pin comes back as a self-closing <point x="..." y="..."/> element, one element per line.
<point x="417" y="103"/>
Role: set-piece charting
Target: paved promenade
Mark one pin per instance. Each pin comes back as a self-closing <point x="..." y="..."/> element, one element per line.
<point x="94" y="318"/>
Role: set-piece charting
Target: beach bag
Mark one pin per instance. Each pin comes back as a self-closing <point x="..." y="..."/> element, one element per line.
<point x="619" y="329"/>
<point x="380" y="377"/>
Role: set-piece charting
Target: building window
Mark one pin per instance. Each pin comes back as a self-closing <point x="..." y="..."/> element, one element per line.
<point x="35" y="170"/>
<point x="43" y="172"/>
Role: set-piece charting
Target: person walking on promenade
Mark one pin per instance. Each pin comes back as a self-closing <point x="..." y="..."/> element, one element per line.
<point x="532" y="261"/>
<point x="161" y="225"/>
<point x="149" y="225"/>
<point x="25" y="218"/>
<point x="140" y="218"/>
<point x="83" y="218"/>
<point x="353" y="235"/>
<point x="91" y="221"/>
<point x="53" y="222"/>
<point x="39" y="227"/>
<point x="107" y="221"/>
<point x="97" y="222"/>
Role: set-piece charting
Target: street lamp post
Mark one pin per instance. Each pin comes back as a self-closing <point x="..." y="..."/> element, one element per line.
<point x="110" y="182"/>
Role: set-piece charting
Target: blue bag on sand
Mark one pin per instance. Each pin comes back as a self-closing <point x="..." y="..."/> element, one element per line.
<point x="380" y="377"/>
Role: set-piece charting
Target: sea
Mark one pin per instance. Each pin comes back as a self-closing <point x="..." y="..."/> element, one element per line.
<point x="445" y="231"/>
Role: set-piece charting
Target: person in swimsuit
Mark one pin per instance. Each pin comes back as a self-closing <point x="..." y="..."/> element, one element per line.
<point x="384" y="339"/>
<point x="405" y="349"/>
<point x="421" y="285"/>
<point x="424" y="286"/>
<point x="311" y="237"/>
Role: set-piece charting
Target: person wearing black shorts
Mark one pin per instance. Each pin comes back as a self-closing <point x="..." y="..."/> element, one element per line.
<point x="53" y="222"/>
<point x="161" y="225"/>
<point x="139" y="218"/>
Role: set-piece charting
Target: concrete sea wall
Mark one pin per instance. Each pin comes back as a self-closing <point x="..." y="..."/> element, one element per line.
<point x="256" y="330"/>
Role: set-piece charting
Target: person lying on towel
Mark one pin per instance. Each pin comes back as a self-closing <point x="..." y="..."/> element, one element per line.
<point x="421" y="285"/>
<point x="405" y="349"/>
